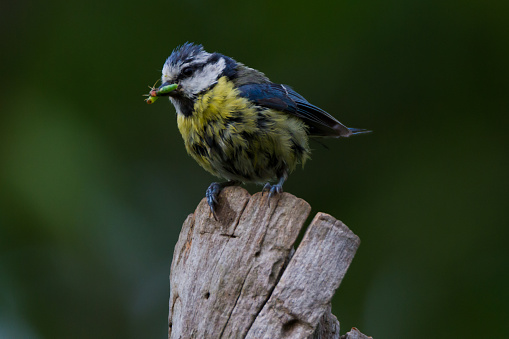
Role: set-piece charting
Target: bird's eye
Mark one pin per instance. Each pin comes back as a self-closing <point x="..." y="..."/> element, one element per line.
<point x="187" y="71"/>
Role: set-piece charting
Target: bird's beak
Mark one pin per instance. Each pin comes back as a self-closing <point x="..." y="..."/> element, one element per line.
<point x="164" y="90"/>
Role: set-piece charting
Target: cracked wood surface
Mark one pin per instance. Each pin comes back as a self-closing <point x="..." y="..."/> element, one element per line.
<point x="235" y="277"/>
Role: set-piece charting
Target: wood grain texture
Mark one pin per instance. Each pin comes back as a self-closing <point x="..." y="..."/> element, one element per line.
<point x="235" y="277"/>
<point x="308" y="284"/>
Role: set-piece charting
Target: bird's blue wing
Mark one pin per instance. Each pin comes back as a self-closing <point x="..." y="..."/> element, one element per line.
<point x="285" y="99"/>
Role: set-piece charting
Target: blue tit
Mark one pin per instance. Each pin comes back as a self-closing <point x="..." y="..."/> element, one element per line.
<point x="237" y="124"/>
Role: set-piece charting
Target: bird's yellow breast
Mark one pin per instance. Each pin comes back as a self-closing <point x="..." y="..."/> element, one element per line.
<point x="215" y="107"/>
<point x="234" y="139"/>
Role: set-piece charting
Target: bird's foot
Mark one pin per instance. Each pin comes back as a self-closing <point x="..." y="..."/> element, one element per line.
<point x="213" y="191"/>
<point x="212" y="194"/>
<point x="272" y="189"/>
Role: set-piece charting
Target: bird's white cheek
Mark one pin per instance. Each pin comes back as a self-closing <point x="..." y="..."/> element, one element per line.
<point x="204" y="78"/>
<point x="197" y="83"/>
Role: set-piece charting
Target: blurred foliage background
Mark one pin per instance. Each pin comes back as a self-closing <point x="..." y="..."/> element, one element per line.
<point x="95" y="184"/>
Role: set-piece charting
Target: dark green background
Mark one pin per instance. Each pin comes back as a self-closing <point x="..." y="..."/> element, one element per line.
<point x="95" y="184"/>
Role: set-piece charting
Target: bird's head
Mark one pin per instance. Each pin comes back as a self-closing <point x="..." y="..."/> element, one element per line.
<point x="193" y="70"/>
<point x="190" y="71"/>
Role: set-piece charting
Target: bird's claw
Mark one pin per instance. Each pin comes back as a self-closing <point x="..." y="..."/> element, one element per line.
<point x="266" y="188"/>
<point x="273" y="190"/>
<point x="211" y="194"/>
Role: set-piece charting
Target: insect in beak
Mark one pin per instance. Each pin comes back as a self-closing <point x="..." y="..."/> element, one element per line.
<point x="164" y="90"/>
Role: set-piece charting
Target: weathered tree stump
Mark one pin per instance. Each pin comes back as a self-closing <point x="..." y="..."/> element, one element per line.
<point x="239" y="277"/>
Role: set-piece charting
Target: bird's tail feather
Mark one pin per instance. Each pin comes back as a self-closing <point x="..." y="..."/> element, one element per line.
<point x="354" y="131"/>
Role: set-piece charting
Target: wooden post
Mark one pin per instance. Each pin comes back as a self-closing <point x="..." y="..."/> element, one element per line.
<point x="239" y="277"/>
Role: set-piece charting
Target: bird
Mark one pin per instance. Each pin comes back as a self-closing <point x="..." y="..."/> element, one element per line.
<point x="237" y="124"/>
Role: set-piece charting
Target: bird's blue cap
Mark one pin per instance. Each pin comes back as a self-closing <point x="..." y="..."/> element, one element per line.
<point x="184" y="53"/>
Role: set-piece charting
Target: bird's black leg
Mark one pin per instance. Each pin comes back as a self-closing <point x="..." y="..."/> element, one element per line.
<point x="213" y="192"/>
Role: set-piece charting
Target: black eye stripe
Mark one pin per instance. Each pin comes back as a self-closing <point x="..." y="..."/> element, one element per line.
<point x="190" y="70"/>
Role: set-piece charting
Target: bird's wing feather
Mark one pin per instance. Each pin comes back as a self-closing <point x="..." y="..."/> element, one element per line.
<point x="285" y="99"/>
